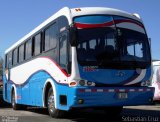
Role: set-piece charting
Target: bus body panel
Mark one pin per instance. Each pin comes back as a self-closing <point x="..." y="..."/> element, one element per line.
<point x="113" y="76"/>
<point x="30" y="83"/>
<point x="102" y="11"/>
<point x="107" y="96"/>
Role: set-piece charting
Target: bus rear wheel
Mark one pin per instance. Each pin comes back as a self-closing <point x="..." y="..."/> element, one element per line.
<point x="53" y="112"/>
<point x="13" y="101"/>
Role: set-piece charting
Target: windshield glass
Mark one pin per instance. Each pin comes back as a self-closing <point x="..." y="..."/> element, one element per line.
<point x="110" y="46"/>
<point x="94" y="44"/>
<point x="133" y="46"/>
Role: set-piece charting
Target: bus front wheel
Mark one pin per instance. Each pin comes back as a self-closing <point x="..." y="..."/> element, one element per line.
<point x="53" y="112"/>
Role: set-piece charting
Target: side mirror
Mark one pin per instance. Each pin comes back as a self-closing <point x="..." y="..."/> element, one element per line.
<point x="73" y="36"/>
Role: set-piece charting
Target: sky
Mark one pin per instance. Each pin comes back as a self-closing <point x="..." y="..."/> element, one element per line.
<point x="19" y="17"/>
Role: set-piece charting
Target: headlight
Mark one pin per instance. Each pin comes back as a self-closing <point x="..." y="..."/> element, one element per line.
<point x="86" y="83"/>
<point x="82" y="82"/>
<point x="89" y="83"/>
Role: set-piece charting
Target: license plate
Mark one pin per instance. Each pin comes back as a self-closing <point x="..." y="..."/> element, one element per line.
<point x="122" y="95"/>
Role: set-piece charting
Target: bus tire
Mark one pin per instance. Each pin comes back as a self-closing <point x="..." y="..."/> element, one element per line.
<point x="16" y="106"/>
<point x="13" y="101"/>
<point x="53" y="112"/>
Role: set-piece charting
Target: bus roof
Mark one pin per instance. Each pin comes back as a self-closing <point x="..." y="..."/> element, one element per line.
<point x="102" y="10"/>
<point x="64" y="11"/>
<point x="70" y="13"/>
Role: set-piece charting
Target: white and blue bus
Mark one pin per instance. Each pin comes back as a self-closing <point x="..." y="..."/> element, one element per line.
<point x="83" y="57"/>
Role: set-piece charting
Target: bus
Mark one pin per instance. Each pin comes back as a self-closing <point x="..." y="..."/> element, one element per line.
<point x="92" y="57"/>
<point x="156" y="81"/>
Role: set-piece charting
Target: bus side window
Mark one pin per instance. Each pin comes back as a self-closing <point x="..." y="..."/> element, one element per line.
<point x="21" y="53"/>
<point x="51" y="37"/>
<point x="63" y="51"/>
<point x="28" y="49"/>
<point x="15" y="57"/>
<point x="46" y="43"/>
<point x="6" y="61"/>
<point x="10" y="59"/>
<point x="37" y="44"/>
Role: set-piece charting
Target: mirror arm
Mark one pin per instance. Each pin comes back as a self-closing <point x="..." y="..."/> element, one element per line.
<point x="73" y="35"/>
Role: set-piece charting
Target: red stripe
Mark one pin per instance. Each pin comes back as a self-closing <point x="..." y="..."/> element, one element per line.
<point x="81" y="90"/>
<point x="145" y="89"/>
<point x="18" y="97"/>
<point x="64" y="72"/>
<point x="105" y="90"/>
<point x="82" y="25"/>
<point x="115" y="90"/>
<point x="94" y="90"/>
<point x="129" y="21"/>
<point x="126" y="90"/>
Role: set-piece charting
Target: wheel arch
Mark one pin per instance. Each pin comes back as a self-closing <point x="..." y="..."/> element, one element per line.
<point x="48" y="84"/>
<point x="13" y="89"/>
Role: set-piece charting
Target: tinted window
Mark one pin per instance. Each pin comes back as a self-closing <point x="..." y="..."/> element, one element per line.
<point x="134" y="46"/>
<point x="63" y="22"/>
<point x="15" y="55"/>
<point x="37" y="45"/>
<point x="47" y="47"/>
<point x="63" y="51"/>
<point x="10" y="59"/>
<point x="28" y="50"/>
<point x="6" y="61"/>
<point x="21" y="53"/>
<point x="95" y="44"/>
<point x="50" y="37"/>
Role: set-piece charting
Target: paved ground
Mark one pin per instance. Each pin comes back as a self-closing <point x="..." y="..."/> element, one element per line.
<point x="133" y="113"/>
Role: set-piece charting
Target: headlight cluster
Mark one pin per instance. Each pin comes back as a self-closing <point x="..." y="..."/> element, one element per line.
<point x="146" y="83"/>
<point x="86" y="83"/>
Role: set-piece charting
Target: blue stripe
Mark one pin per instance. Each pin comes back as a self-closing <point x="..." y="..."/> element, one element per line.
<point x="93" y="19"/>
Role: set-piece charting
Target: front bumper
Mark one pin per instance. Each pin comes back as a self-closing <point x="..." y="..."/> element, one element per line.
<point x="79" y="97"/>
<point x="98" y="97"/>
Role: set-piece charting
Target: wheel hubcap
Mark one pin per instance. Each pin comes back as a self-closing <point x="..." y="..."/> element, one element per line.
<point x="51" y="103"/>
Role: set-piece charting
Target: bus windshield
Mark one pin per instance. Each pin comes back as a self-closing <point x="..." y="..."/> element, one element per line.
<point x="101" y="46"/>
